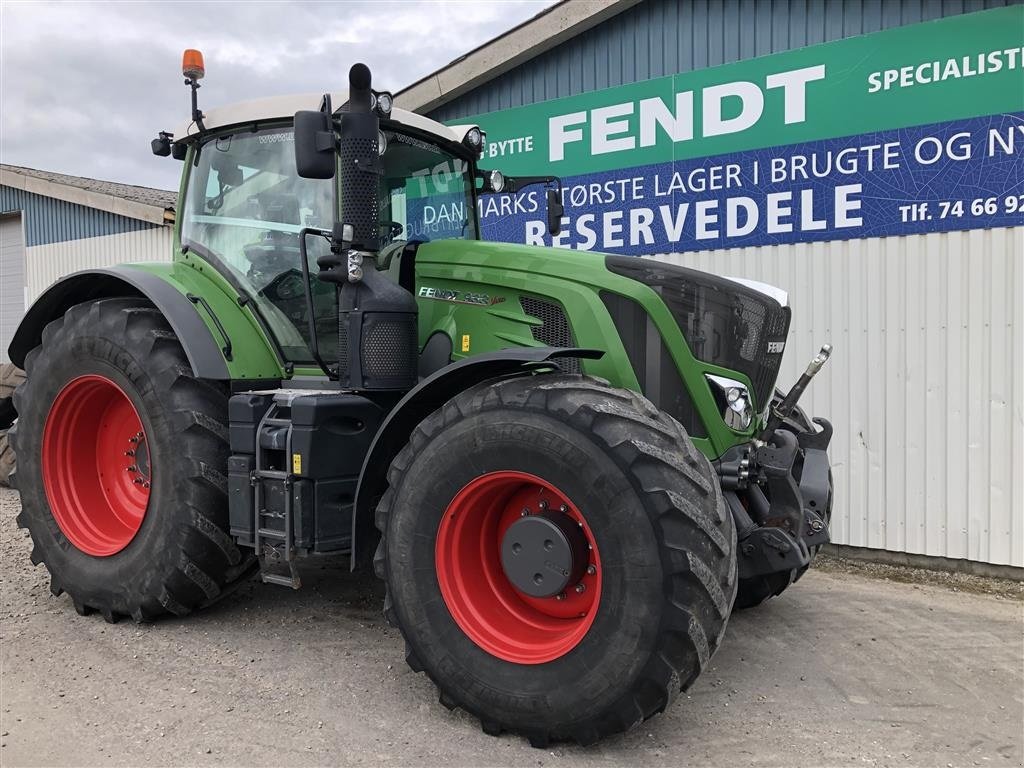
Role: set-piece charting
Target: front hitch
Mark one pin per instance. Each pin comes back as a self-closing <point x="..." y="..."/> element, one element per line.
<point x="780" y="512"/>
<point x="778" y="414"/>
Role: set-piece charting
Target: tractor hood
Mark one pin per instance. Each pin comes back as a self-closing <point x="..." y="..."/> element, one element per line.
<point x="734" y="324"/>
<point x="535" y="259"/>
<point x="556" y="262"/>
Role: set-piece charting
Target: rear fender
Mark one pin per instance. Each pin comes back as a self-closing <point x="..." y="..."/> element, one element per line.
<point x="219" y="339"/>
<point x="429" y="395"/>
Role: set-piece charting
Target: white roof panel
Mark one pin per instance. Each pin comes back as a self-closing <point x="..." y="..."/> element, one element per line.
<point x="278" y="107"/>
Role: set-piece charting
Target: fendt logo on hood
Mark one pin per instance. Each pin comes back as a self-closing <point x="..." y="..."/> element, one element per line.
<point x="460" y="297"/>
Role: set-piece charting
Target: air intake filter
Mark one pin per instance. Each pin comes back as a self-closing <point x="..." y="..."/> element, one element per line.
<point x="378" y="347"/>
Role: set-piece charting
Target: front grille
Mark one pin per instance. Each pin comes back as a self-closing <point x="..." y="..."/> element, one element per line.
<point x="655" y="370"/>
<point x="724" y="322"/>
<point x="554" y="330"/>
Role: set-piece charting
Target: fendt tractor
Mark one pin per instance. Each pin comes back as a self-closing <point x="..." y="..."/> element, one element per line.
<point x="568" y="468"/>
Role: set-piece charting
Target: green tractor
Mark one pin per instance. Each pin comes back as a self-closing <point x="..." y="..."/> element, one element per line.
<point x="568" y="468"/>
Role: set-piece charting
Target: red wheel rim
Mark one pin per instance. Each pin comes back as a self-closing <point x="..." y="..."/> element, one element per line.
<point x="494" y="614"/>
<point x="96" y="465"/>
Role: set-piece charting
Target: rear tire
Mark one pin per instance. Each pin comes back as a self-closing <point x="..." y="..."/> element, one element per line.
<point x="754" y="591"/>
<point x="10" y="377"/>
<point x="646" y="498"/>
<point x="165" y="549"/>
<point x="7" y="459"/>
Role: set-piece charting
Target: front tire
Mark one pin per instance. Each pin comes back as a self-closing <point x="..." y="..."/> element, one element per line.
<point x="662" y="549"/>
<point x="121" y="454"/>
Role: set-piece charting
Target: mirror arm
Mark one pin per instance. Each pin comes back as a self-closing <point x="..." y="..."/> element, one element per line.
<point x="516" y="183"/>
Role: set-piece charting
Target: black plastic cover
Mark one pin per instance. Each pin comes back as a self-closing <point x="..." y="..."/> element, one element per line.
<point x="724" y="322"/>
<point x="655" y="370"/>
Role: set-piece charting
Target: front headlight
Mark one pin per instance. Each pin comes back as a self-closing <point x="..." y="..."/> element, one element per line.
<point x="734" y="401"/>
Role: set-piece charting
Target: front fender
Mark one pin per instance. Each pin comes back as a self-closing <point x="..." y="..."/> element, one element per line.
<point x="220" y="339"/>
<point x="429" y="395"/>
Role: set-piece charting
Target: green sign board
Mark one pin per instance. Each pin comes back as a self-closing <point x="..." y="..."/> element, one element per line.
<point x="910" y="114"/>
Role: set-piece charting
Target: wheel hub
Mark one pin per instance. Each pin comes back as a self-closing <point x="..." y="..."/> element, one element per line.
<point x="518" y="567"/>
<point x="96" y="465"/>
<point x="543" y="554"/>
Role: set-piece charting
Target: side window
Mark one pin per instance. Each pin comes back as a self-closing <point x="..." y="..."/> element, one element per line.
<point x="245" y="208"/>
<point x="397" y="207"/>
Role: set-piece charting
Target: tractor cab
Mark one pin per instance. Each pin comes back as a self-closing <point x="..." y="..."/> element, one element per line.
<point x="244" y="205"/>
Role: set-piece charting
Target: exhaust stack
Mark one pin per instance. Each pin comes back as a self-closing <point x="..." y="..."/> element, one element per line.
<point x="377" y="319"/>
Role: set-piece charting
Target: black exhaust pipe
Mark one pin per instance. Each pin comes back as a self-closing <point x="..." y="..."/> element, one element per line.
<point x="377" y="321"/>
<point x="360" y="162"/>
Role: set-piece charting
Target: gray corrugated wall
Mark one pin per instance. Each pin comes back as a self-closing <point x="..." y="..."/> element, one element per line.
<point x="666" y="37"/>
<point x="48" y="220"/>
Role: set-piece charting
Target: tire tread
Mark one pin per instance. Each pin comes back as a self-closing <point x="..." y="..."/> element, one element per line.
<point x="641" y="439"/>
<point x="208" y="562"/>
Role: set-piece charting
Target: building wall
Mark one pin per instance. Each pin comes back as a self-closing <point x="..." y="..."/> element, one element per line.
<point x="667" y="37"/>
<point x="45" y="264"/>
<point x="12" y="279"/>
<point x="925" y="387"/>
<point x="48" y="220"/>
<point x="63" y="237"/>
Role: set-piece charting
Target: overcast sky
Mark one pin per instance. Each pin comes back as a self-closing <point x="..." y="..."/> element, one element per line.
<point x="85" y="86"/>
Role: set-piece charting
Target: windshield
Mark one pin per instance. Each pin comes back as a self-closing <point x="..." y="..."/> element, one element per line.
<point x="246" y="204"/>
<point x="426" y="193"/>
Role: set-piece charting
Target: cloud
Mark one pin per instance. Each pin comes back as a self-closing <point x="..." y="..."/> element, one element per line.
<point x="85" y="86"/>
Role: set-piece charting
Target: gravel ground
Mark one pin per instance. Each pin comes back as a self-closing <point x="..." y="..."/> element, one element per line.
<point x="851" y="667"/>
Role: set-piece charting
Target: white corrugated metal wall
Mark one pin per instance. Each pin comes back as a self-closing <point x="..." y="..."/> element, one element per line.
<point x="12" y="279"/>
<point x="45" y="264"/>
<point x="925" y="387"/>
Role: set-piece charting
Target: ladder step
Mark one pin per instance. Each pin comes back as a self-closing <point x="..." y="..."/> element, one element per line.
<point x="271" y="533"/>
<point x="281" y="579"/>
<point x="270" y="474"/>
<point x="278" y="422"/>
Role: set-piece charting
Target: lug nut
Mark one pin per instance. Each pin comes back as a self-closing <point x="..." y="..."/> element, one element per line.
<point x="525" y="512"/>
<point x="129" y="453"/>
<point x="591" y="569"/>
<point x="145" y="485"/>
<point x="560" y="596"/>
<point x="132" y="468"/>
<point x="581" y="588"/>
<point x="563" y="508"/>
<point x="542" y="504"/>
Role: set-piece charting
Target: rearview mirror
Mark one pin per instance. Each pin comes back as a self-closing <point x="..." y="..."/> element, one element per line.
<point x="555" y="212"/>
<point x="314" y="145"/>
<point x="228" y="172"/>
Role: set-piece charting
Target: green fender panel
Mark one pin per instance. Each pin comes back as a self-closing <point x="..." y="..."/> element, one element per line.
<point x="221" y="339"/>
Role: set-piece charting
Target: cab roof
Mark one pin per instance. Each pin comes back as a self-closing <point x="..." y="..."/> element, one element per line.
<point x="285" y="107"/>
